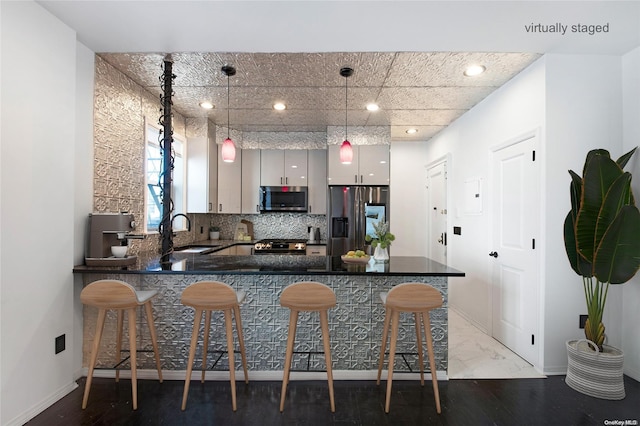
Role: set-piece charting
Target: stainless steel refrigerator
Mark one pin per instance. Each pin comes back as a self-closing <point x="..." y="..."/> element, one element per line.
<point x="352" y="212"/>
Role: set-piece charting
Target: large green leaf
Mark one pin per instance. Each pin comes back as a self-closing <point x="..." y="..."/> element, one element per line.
<point x="578" y="263"/>
<point x="618" y="256"/>
<point x="622" y="161"/>
<point x="618" y="195"/>
<point x="591" y="154"/>
<point x="600" y="172"/>
<point x="575" y="190"/>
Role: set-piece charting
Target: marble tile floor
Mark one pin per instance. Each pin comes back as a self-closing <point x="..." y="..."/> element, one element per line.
<point x="476" y="355"/>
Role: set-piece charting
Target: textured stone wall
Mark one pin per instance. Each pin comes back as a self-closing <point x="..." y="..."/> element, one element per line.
<point x="355" y="324"/>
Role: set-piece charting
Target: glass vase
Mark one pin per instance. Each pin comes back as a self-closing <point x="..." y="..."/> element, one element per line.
<point x="381" y="255"/>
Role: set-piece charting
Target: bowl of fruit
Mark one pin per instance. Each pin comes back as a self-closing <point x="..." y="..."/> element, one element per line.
<point x="355" y="256"/>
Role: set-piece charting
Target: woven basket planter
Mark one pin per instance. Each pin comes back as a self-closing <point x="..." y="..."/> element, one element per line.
<point x="594" y="373"/>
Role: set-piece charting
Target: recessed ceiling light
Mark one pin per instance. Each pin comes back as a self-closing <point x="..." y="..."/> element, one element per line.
<point x="474" y="70"/>
<point x="411" y="131"/>
<point x="206" y="105"/>
<point x="279" y="106"/>
<point x="372" y="107"/>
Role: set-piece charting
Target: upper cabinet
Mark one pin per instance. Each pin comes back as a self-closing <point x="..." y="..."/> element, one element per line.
<point x="229" y="184"/>
<point x="202" y="175"/>
<point x="317" y="181"/>
<point x="370" y="166"/>
<point x="251" y="181"/>
<point x="280" y="167"/>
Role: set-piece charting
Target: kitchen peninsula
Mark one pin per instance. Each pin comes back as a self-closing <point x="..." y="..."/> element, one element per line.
<point x="355" y="323"/>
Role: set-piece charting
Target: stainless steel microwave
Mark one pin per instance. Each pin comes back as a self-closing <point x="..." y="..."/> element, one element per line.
<point x="283" y="199"/>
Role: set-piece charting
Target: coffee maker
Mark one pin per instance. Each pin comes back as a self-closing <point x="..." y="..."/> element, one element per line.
<point x="106" y="230"/>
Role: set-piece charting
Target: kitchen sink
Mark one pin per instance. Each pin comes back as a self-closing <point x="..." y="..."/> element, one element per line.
<point x="195" y="249"/>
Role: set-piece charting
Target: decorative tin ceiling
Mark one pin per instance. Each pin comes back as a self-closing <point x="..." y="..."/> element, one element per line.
<point x="423" y="90"/>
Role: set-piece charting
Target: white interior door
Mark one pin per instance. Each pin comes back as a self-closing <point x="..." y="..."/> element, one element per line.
<point x="437" y="212"/>
<point x="515" y="193"/>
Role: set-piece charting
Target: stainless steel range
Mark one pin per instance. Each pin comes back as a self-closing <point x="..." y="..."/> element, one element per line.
<point x="280" y="246"/>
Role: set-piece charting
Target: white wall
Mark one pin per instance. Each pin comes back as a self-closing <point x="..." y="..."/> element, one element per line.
<point x="407" y="219"/>
<point x="514" y="109"/>
<point x="630" y="341"/>
<point x="83" y="180"/>
<point x="583" y="112"/>
<point x="38" y="108"/>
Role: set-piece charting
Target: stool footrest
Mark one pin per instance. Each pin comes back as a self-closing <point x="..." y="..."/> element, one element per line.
<point x="404" y="358"/>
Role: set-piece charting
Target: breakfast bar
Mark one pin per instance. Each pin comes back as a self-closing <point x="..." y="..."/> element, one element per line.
<point x="355" y="323"/>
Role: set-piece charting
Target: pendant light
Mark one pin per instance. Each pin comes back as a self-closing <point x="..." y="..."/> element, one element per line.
<point x="228" y="150"/>
<point x="346" y="151"/>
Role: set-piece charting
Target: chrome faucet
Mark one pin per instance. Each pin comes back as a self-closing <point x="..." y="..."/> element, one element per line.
<point x="185" y="216"/>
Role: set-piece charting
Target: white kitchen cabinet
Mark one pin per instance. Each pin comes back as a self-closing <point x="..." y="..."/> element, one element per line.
<point x="243" y="249"/>
<point x="251" y="181"/>
<point x="229" y="184"/>
<point x="283" y="167"/>
<point x="374" y="164"/>
<point x="370" y="166"/>
<point x="317" y="181"/>
<point x="316" y="250"/>
<point x="202" y="175"/>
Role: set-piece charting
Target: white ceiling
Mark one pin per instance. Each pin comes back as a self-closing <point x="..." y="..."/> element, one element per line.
<point x="407" y="55"/>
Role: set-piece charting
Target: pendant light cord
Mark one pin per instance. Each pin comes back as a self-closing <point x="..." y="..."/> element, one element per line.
<point x="346" y="108"/>
<point x="228" y="106"/>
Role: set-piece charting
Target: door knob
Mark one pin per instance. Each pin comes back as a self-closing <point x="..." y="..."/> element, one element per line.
<point x="494" y="254"/>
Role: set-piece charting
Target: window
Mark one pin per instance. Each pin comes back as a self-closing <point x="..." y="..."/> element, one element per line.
<point x="153" y="169"/>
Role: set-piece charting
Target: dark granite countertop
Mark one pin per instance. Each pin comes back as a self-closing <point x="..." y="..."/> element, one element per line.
<point x="196" y="263"/>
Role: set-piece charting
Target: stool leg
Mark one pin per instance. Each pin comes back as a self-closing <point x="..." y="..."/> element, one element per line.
<point x="205" y="342"/>
<point x="418" y="318"/>
<point x="383" y="345"/>
<point x="197" y="317"/>
<point x="232" y="370"/>
<point x="236" y="314"/>
<point x="119" y="341"/>
<point x="432" y="361"/>
<point x="94" y="355"/>
<point x="293" y="321"/>
<point x="132" y="352"/>
<point x="154" y="337"/>
<point x="392" y="354"/>
<point x="324" y="323"/>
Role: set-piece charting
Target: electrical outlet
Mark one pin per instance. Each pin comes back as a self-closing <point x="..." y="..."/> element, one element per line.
<point x="583" y="319"/>
<point x="202" y="229"/>
<point x="60" y="343"/>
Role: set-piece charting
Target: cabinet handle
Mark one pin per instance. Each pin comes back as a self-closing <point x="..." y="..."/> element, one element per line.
<point x="220" y="207"/>
<point x="280" y="180"/>
<point x="286" y="181"/>
<point x="210" y="207"/>
<point x="309" y="208"/>
<point x="356" y="178"/>
<point x="257" y="208"/>
<point x="360" y="178"/>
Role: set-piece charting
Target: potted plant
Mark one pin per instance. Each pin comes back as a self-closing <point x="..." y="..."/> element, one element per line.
<point x="602" y="241"/>
<point x="214" y="233"/>
<point x="381" y="242"/>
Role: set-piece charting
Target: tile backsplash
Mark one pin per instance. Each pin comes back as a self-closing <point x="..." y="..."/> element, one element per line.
<point x="269" y="225"/>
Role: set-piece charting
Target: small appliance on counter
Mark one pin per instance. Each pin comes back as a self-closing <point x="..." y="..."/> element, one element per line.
<point x="107" y="230"/>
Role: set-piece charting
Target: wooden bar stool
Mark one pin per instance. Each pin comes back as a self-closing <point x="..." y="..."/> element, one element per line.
<point x="307" y="296"/>
<point x="418" y="298"/>
<point x="119" y="296"/>
<point x="210" y="296"/>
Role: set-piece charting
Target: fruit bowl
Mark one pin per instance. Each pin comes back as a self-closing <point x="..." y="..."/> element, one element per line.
<point x="349" y="259"/>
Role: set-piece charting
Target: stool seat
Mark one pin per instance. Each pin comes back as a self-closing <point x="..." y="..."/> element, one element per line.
<point x="307" y="296"/>
<point x="419" y="299"/>
<point x="120" y="296"/>
<point x="207" y="296"/>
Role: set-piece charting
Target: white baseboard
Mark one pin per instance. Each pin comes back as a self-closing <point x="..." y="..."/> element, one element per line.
<point x="148" y="374"/>
<point x="42" y="405"/>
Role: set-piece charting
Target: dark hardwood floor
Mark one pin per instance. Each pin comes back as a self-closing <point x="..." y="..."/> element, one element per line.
<point x="464" y="402"/>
